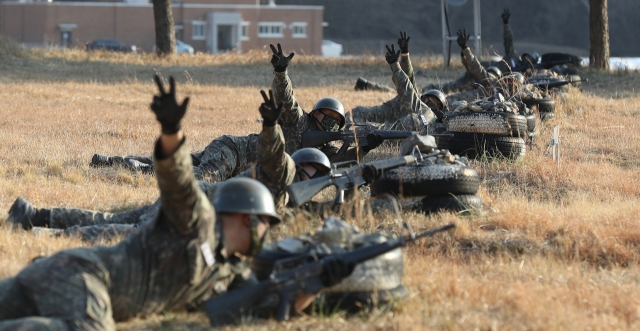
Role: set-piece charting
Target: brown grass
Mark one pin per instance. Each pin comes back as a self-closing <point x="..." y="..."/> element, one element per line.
<point x="555" y="247"/>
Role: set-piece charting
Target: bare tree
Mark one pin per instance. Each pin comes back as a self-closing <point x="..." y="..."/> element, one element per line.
<point x="165" y="32"/>
<point x="599" y="34"/>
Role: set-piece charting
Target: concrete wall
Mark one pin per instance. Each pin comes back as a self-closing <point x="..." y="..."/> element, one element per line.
<point x="37" y="23"/>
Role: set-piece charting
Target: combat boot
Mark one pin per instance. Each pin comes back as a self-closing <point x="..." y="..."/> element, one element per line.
<point x="362" y="84"/>
<point x="23" y="214"/>
<point x="99" y="160"/>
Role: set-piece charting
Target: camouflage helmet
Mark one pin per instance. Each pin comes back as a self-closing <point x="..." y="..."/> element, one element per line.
<point x="534" y="55"/>
<point x="245" y="196"/>
<point x="495" y="71"/>
<point x="438" y="94"/>
<point x="312" y="155"/>
<point x="331" y="104"/>
<point x="516" y="76"/>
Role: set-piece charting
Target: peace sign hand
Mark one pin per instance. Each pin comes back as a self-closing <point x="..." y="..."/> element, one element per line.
<point x="268" y="109"/>
<point x="165" y="106"/>
<point x="392" y="56"/>
<point x="278" y="60"/>
<point x="463" y="38"/>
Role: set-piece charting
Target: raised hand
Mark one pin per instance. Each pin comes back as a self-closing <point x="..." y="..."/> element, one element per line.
<point x="392" y="56"/>
<point x="278" y="60"/>
<point x="403" y="42"/>
<point x="168" y="112"/>
<point x="505" y="16"/>
<point x="463" y="38"/>
<point x="270" y="113"/>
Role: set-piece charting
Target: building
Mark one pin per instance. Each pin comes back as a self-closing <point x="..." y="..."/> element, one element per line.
<point x="208" y="25"/>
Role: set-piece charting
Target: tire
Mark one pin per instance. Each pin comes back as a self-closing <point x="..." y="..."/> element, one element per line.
<point x="532" y="124"/>
<point x="552" y="57"/>
<point x="420" y="180"/>
<point x="544" y="105"/>
<point x="458" y="203"/>
<point x="505" y="124"/>
<point x="475" y="144"/>
<point x="354" y="302"/>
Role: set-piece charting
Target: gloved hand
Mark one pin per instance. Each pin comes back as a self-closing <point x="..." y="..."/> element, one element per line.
<point x="371" y="173"/>
<point x="278" y="60"/>
<point x="505" y="16"/>
<point x="463" y="38"/>
<point x="270" y="113"/>
<point x="166" y="107"/>
<point x="391" y="56"/>
<point x="335" y="270"/>
<point x="373" y="141"/>
<point x="403" y="42"/>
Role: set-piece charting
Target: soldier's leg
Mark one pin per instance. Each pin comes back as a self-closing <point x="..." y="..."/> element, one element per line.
<point x="96" y="233"/>
<point x="225" y="157"/>
<point x="377" y="114"/>
<point x="13" y="302"/>
<point x="366" y="85"/>
<point x="69" y="292"/>
<point x="62" y="218"/>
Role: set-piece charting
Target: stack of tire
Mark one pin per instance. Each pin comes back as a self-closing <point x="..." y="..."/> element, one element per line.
<point x="487" y="128"/>
<point x="432" y="186"/>
<point x="545" y="106"/>
<point x="372" y="283"/>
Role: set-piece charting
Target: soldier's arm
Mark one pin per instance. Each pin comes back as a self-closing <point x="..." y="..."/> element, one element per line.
<point x="510" y="51"/>
<point x="283" y="92"/>
<point x="179" y="193"/>
<point x="475" y="69"/>
<point x="405" y="64"/>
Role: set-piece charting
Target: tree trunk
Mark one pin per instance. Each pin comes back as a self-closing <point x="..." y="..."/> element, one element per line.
<point x="165" y="32"/>
<point x="599" y="34"/>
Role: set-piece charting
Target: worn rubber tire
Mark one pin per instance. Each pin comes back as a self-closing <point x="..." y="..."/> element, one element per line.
<point x="476" y="144"/>
<point x="489" y="122"/>
<point x="458" y="203"/>
<point x="354" y="302"/>
<point x="420" y="180"/>
<point x="545" y="105"/>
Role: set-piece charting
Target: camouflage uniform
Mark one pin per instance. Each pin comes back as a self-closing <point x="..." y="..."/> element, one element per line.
<point x="163" y="267"/>
<point x="476" y="75"/>
<point x="511" y="56"/>
<point x="483" y="82"/>
<point x="274" y="168"/>
<point x="406" y="103"/>
<point x="295" y="121"/>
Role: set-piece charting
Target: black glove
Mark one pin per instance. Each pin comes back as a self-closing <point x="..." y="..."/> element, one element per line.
<point x="391" y="56"/>
<point x="278" y="60"/>
<point x="463" y="37"/>
<point x="335" y="270"/>
<point x="403" y="42"/>
<point x="270" y="113"/>
<point x="505" y="16"/>
<point x="167" y="110"/>
<point x="373" y="141"/>
<point x="371" y="173"/>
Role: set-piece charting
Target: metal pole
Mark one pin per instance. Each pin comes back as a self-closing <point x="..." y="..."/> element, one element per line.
<point x="476" y="26"/>
<point x="444" y="34"/>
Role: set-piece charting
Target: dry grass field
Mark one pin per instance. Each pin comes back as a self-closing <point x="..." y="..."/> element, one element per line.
<point x="555" y="248"/>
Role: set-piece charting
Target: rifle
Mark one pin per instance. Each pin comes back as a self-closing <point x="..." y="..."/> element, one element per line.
<point x="547" y="84"/>
<point x="349" y="135"/>
<point x="305" y="279"/>
<point x="541" y="65"/>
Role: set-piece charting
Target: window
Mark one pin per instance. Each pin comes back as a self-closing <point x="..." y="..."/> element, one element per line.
<point x="198" y="30"/>
<point x="270" y="29"/>
<point x="244" y="30"/>
<point x="299" y="29"/>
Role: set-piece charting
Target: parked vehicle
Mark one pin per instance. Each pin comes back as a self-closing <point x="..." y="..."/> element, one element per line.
<point x="182" y="48"/>
<point x="111" y="45"/>
<point x="331" y="49"/>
